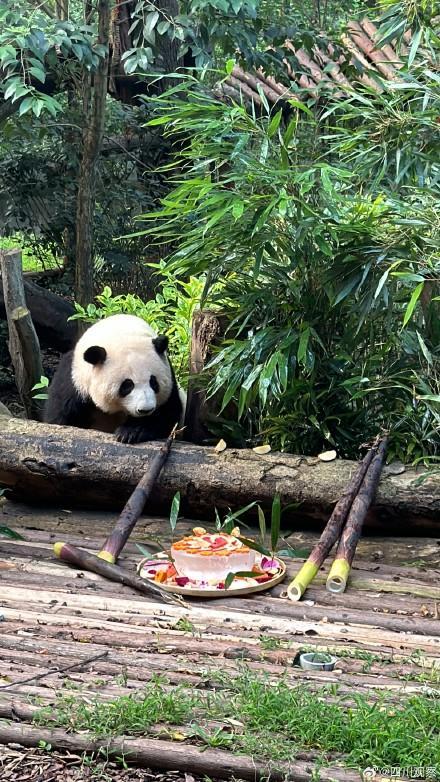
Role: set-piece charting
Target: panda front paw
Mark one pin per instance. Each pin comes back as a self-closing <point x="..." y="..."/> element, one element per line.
<point x="132" y="434"/>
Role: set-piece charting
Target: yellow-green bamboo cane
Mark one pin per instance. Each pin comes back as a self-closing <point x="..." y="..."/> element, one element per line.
<point x="340" y="570"/>
<point x="331" y="533"/>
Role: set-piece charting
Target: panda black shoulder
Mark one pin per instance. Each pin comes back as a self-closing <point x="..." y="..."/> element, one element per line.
<point x="64" y="405"/>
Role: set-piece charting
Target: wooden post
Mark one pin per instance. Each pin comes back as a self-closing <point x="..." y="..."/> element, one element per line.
<point x="23" y="344"/>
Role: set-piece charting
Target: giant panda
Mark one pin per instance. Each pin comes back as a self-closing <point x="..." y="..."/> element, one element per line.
<point x="117" y="378"/>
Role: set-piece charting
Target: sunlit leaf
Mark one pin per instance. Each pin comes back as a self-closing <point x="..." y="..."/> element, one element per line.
<point x="327" y="456"/>
<point x="412" y="302"/>
<point x="174" y="513"/>
<point x="275" y="522"/>
<point x="242" y="574"/>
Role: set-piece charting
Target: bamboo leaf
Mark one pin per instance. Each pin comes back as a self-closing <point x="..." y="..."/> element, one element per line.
<point x="174" y="513"/>
<point x="262" y="524"/>
<point x="424" y="348"/>
<point x="255" y="546"/>
<point x="414" y="46"/>
<point x="303" y="343"/>
<point x="274" y="123"/>
<point x="10" y="533"/>
<point x="275" y="522"/>
<point x="241" y="574"/>
<point x="297" y="104"/>
<point x="412" y="302"/>
<point x="146" y="552"/>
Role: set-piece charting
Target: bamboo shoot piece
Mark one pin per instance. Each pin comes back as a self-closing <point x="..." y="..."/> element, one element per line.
<point x="331" y="532"/>
<point x="95" y="564"/>
<point x="340" y="570"/>
<point x="135" y="504"/>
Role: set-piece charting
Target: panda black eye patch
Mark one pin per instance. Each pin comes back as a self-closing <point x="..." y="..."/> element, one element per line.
<point x="154" y="384"/>
<point x="126" y="387"/>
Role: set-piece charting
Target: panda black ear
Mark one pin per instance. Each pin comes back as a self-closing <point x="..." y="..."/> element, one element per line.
<point x="95" y="355"/>
<point x="161" y="344"/>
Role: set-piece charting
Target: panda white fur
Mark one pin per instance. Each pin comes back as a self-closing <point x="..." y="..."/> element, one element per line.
<point x="119" y="379"/>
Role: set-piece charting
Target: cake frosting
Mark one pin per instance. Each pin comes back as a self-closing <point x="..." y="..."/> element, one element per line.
<point x="209" y="557"/>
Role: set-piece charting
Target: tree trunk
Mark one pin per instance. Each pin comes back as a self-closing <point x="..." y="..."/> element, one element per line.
<point x="94" y="108"/>
<point x="84" y="468"/>
<point x="23" y="341"/>
<point x="206" y="328"/>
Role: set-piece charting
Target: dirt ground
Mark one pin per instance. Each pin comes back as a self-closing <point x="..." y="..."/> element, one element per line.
<point x="18" y="764"/>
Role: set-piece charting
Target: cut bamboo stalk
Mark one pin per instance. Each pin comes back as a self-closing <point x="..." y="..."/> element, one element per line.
<point x="135" y="504"/>
<point x="104" y="563"/>
<point x="80" y="558"/>
<point x="340" y="570"/>
<point x="331" y="532"/>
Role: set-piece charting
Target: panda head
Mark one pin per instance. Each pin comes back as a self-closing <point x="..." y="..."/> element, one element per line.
<point x="121" y="365"/>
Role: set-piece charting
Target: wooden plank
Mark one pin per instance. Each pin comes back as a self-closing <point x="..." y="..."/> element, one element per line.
<point x="52" y="574"/>
<point x="176" y="668"/>
<point x="387" y="578"/>
<point x="199" y="616"/>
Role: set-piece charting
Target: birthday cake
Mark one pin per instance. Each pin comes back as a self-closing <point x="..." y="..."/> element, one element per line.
<point x="205" y="556"/>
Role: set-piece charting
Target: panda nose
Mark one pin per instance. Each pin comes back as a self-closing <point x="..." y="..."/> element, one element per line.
<point x="144" y="411"/>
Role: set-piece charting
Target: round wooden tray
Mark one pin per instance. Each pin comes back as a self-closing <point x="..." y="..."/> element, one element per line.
<point x="190" y="591"/>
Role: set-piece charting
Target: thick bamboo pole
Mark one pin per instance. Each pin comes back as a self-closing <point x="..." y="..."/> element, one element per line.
<point x="82" y="559"/>
<point x="135" y="504"/>
<point x="331" y="532"/>
<point x="340" y="570"/>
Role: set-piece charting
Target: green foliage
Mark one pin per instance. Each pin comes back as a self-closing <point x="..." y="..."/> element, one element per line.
<point x="7" y="532"/>
<point x="276" y="719"/>
<point x="334" y="328"/>
<point x="170" y="312"/>
<point x="32" y="261"/>
<point x="39" y="163"/>
<point x="174" y="512"/>
<point x="32" y="44"/>
<point x="420" y="17"/>
<point x="41" y="386"/>
<point x="126" y="714"/>
<point x="200" y="26"/>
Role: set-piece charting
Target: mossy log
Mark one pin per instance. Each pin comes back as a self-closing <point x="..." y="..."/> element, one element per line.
<point x="83" y="468"/>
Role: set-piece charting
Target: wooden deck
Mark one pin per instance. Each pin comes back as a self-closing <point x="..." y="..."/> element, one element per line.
<point x="385" y="631"/>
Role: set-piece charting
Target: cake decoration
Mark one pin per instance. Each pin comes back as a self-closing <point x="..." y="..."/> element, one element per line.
<point x="206" y="561"/>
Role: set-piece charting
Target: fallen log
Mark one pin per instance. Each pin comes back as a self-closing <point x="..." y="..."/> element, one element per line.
<point x="82" y="468"/>
<point x="174" y="755"/>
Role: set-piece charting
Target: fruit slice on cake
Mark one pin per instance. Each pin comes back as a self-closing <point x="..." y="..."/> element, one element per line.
<point x="210" y="557"/>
